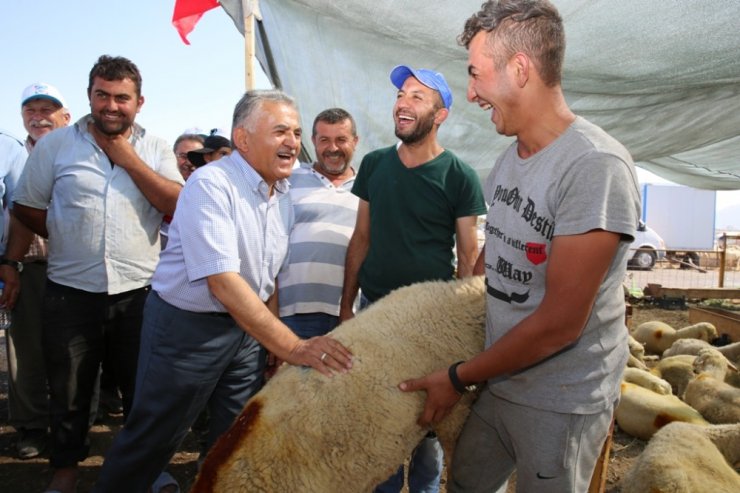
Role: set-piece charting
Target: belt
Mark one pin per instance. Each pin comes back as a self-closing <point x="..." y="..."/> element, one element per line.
<point x="40" y="261"/>
<point x="218" y="314"/>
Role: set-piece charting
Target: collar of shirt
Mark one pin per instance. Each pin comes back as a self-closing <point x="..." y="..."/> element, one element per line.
<point x="326" y="182"/>
<point x="254" y="179"/>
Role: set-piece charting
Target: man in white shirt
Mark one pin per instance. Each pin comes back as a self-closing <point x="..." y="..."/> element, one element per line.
<point x="43" y="109"/>
<point x="101" y="187"/>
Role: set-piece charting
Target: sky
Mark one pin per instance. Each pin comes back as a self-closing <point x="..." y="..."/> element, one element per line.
<point x="184" y="86"/>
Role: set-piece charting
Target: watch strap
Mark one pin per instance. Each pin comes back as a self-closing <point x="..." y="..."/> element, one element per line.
<point x="460" y="387"/>
<point x="13" y="263"/>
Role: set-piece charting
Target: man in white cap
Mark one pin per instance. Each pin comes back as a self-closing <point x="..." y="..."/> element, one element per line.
<point x="418" y="200"/>
<point x="43" y="109"/>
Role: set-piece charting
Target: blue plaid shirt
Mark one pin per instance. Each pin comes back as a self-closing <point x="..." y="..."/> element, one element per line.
<point x="225" y="222"/>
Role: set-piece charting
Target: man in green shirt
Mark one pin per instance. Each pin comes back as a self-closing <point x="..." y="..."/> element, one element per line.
<point x="417" y="201"/>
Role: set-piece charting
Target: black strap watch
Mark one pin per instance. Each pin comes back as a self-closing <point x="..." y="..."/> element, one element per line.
<point x="13" y="263"/>
<point x="460" y="387"/>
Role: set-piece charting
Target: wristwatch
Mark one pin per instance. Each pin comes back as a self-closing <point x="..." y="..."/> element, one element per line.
<point x="13" y="263"/>
<point x="460" y="387"/>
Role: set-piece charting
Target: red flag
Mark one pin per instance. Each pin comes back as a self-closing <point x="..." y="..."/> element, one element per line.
<point x="188" y="13"/>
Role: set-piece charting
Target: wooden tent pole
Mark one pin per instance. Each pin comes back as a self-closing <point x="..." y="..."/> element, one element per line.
<point x="249" y="7"/>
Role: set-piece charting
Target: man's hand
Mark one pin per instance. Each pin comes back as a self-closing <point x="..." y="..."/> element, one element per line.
<point x="12" y="281"/>
<point x="117" y="147"/>
<point x="441" y="396"/>
<point x="323" y="353"/>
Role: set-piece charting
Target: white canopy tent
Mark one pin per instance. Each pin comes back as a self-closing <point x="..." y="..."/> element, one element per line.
<point x="662" y="77"/>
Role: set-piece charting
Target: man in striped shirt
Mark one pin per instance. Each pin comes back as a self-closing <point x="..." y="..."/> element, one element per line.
<point x="310" y="283"/>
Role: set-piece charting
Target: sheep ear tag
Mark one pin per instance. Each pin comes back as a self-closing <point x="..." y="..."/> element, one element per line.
<point x="536" y="253"/>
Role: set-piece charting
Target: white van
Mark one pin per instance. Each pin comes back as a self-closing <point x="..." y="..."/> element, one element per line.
<point x="648" y="248"/>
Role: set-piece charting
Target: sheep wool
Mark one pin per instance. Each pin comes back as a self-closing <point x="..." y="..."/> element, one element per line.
<point x="685" y="458"/>
<point x="676" y="370"/>
<point x="648" y="380"/>
<point x="307" y="432"/>
<point x="693" y="346"/>
<point x="658" y="336"/>
<point x="708" y="393"/>
<point x="642" y="412"/>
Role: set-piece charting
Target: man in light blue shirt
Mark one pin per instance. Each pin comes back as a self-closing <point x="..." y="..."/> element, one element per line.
<point x="98" y="190"/>
<point x="209" y="319"/>
<point x="12" y="157"/>
<point x="43" y="110"/>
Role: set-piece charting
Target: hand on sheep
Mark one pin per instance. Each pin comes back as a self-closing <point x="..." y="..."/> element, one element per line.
<point x="441" y="396"/>
<point x="322" y="353"/>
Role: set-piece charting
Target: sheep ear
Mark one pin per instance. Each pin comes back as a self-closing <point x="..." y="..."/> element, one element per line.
<point x="731" y="366"/>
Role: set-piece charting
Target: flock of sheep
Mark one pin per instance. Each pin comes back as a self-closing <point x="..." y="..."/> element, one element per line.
<point x="684" y="397"/>
<point x="306" y="432"/>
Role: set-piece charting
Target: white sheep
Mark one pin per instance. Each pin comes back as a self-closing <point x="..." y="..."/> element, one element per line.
<point x="693" y="346"/>
<point x="642" y="412"/>
<point x="658" y="336"/>
<point x="647" y="380"/>
<point x="676" y="370"/>
<point x="708" y="393"/>
<point x="637" y="354"/>
<point x="307" y="432"/>
<point x="685" y="458"/>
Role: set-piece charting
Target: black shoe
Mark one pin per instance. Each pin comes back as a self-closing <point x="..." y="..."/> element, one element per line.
<point x="31" y="443"/>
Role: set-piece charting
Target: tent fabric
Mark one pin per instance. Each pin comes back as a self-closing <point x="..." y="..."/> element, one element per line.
<point x="661" y="77"/>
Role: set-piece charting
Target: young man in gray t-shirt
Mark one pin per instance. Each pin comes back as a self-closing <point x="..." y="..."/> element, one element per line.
<point x="564" y="204"/>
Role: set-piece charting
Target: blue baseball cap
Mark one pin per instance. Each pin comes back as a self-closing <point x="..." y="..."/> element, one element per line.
<point x="430" y="78"/>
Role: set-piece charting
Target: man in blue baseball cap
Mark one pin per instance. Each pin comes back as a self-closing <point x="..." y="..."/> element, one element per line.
<point x="424" y="201"/>
<point x="430" y="78"/>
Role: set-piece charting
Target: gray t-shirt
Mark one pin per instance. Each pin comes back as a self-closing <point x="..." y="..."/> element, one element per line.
<point x="583" y="180"/>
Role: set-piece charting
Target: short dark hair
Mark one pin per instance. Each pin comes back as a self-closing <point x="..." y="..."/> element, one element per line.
<point x="533" y="27"/>
<point x="115" y="68"/>
<point x="332" y="116"/>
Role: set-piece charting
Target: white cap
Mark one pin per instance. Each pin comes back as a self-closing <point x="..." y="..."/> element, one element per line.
<point x="193" y="131"/>
<point x="42" y="90"/>
<point x="220" y="132"/>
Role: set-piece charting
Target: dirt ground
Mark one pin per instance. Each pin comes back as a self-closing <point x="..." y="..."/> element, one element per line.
<point x="18" y="476"/>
